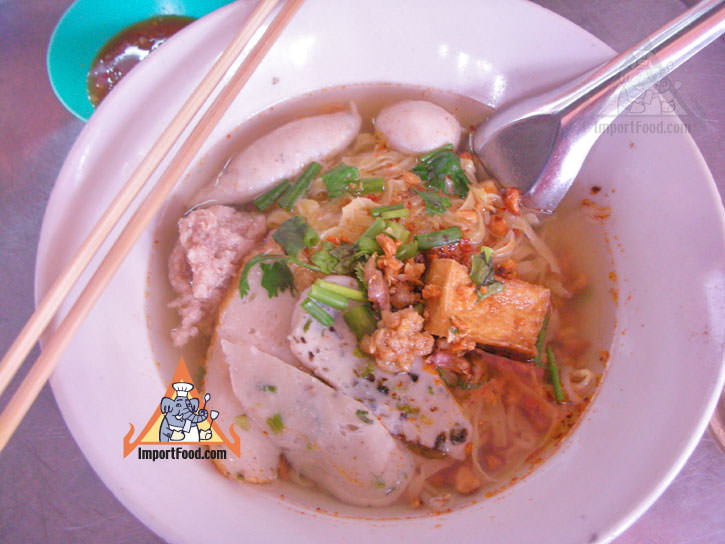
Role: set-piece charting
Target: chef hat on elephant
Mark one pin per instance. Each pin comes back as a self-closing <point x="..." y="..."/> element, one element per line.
<point x="182" y="388"/>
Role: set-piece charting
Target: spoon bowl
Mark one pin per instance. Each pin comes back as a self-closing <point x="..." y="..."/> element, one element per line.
<point x="87" y="25"/>
<point x="539" y="144"/>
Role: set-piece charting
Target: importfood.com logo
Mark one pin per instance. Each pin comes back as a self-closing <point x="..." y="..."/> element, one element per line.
<point x="182" y="418"/>
<point x="659" y="109"/>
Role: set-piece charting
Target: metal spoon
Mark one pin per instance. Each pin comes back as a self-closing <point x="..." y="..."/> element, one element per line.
<point x="539" y="144"/>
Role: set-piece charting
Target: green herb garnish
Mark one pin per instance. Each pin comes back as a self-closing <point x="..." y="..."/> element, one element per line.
<point x="434" y="167"/>
<point x="269" y="388"/>
<point x="361" y="320"/>
<point x="439" y="238"/>
<point x="327" y="297"/>
<point x="337" y="179"/>
<point x="540" y="338"/>
<point x="275" y="423"/>
<point x="316" y="311"/>
<point x="434" y="204"/>
<point x="367" y="186"/>
<point x="397" y="231"/>
<point x="482" y="274"/>
<point x="266" y="257"/>
<point x="362" y="415"/>
<point x="270" y="197"/>
<point x="243" y="422"/>
<point x="299" y="187"/>
<point x="554" y="375"/>
<point x="491" y="289"/>
<point x="349" y="292"/>
<point x="276" y="278"/>
<point x="294" y="235"/>
<point x="380" y="210"/>
<point x="407" y="251"/>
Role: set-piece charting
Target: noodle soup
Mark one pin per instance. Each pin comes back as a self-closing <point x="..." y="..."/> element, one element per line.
<point x="462" y="335"/>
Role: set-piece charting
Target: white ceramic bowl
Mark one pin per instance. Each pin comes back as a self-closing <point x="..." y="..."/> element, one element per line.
<point x="666" y="232"/>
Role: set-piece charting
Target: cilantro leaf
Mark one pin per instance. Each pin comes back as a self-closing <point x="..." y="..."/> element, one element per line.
<point x="251" y="263"/>
<point x="434" y="204"/>
<point x="276" y="278"/>
<point x="436" y="166"/>
<point x="294" y="235"/>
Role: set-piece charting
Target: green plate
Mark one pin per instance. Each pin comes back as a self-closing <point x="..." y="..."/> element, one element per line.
<point x="87" y="25"/>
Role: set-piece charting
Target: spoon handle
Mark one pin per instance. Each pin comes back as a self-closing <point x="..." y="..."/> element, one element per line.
<point x="586" y="106"/>
<point x="616" y="84"/>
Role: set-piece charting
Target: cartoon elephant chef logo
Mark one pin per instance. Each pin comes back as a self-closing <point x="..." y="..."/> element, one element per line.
<point x="181" y="417"/>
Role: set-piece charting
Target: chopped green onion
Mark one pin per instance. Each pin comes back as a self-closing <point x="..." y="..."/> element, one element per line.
<point x="366" y="243"/>
<point x="268" y="387"/>
<point x="439" y="238"/>
<point x="337" y="179"/>
<point x="316" y="311"/>
<point x="375" y="228"/>
<point x="275" y="423"/>
<point x="540" y="342"/>
<point x="349" y="292"/>
<point x="300" y="186"/>
<point x="363" y="416"/>
<point x="395" y="214"/>
<point x="335" y="300"/>
<point x="491" y="289"/>
<point x="367" y="186"/>
<point x="398" y="231"/>
<point x="361" y="320"/>
<point x="377" y="212"/>
<point x="407" y="251"/>
<point x="554" y="373"/>
<point x="264" y="201"/>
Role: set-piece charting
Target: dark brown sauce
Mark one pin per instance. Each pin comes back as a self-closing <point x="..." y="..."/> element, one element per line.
<point x="126" y="49"/>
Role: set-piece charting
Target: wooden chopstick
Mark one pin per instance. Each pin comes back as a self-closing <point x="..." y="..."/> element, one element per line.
<point x="50" y="303"/>
<point x="39" y="373"/>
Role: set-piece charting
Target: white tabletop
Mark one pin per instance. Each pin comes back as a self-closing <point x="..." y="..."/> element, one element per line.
<point x="48" y="491"/>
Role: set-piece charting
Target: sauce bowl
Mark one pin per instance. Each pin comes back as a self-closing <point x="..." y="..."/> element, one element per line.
<point x="89" y="24"/>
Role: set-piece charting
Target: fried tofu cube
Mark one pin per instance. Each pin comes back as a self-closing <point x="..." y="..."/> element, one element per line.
<point x="509" y="320"/>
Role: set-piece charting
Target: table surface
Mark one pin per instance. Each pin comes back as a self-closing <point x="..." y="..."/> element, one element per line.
<point x="48" y="491"/>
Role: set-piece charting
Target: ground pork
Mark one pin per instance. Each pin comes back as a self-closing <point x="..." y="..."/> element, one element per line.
<point x="399" y="340"/>
<point x="211" y="244"/>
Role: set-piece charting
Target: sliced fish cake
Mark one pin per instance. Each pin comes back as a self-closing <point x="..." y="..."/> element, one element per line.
<point x="323" y="433"/>
<point x="414" y="405"/>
